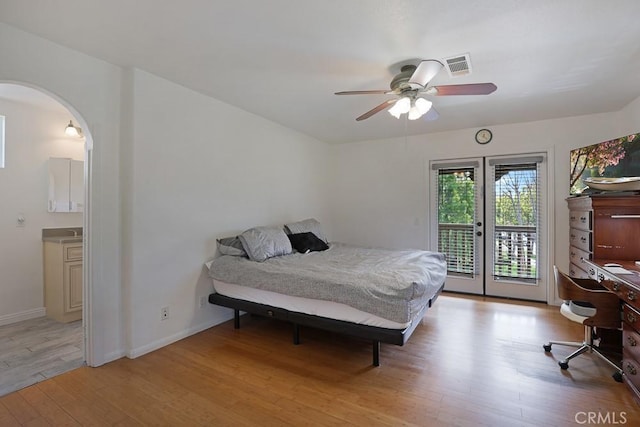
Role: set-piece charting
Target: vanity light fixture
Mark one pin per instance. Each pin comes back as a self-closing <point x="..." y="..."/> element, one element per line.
<point x="72" y="130"/>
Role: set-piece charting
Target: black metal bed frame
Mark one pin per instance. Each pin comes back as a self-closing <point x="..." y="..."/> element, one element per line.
<point x="376" y="334"/>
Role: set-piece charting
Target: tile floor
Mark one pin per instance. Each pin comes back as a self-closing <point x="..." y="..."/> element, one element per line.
<point x="37" y="349"/>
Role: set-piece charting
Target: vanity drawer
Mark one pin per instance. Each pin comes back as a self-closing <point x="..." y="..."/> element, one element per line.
<point x="580" y="220"/>
<point x="580" y="239"/>
<point x="73" y="253"/>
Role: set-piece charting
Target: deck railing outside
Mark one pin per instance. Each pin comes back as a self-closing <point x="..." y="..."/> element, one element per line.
<point x="515" y="246"/>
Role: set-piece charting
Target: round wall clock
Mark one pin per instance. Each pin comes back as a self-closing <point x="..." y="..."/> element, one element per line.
<point x="483" y="136"/>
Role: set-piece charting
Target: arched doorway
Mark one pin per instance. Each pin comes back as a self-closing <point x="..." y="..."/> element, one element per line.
<point x="20" y="91"/>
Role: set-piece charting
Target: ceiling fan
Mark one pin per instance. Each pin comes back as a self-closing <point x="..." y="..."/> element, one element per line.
<point x="411" y="84"/>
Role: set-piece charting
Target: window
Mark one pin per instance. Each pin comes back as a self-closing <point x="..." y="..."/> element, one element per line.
<point x="516" y="219"/>
<point x="1" y="141"/>
<point x="457" y="204"/>
<point x="491" y="224"/>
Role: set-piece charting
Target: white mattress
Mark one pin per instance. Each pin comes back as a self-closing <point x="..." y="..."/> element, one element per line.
<point x="328" y="309"/>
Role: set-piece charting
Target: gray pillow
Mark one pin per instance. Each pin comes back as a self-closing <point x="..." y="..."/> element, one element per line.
<point x="310" y="225"/>
<point x="231" y="246"/>
<point x="261" y="243"/>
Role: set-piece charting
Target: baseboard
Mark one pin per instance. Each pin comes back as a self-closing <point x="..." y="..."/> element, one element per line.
<point x="114" y="355"/>
<point x="137" y="352"/>
<point x="8" y="319"/>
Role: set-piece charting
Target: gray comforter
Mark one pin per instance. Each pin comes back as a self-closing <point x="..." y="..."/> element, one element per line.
<point x="394" y="285"/>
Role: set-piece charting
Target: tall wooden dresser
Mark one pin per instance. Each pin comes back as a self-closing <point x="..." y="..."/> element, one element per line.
<point x="603" y="227"/>
<point x="606" y="229"/>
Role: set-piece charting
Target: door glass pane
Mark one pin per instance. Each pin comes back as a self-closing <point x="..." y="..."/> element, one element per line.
<point x="456" y="217"/>
<point x="516" y="219"/>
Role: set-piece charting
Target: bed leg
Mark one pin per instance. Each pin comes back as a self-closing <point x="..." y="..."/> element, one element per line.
<point x="376" y="353"/>
<point x="236" y="319"/>
<point x="296" y="334"/>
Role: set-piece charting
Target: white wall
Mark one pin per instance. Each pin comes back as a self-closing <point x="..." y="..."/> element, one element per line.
<point x="629" y="119"/>
<point x="199" y="169"/>
<point x="380" y="188"/>
<point x="90" y="89"/>
<point x="32" y="135"/>
<point x="172" y="170"/>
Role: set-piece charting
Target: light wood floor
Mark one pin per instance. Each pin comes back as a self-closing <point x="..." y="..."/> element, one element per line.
<point x="36" y="349"/>
<point x="472" y="362"/>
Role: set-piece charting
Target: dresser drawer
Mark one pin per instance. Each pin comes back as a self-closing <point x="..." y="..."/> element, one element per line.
<point x="631" y="317"/>
<point x="577" y="272"/>
<point x="576" y="256"/>
<point x="580" y="220"/>
<point x="580" y="239"/>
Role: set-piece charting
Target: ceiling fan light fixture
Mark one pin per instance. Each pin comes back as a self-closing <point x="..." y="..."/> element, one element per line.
<point x="423" y="105"/>
<point x="403" y="105"/>
<point x="414" y="113"/>
<point x="414" y="81"/>
<point x="419" y="107"/>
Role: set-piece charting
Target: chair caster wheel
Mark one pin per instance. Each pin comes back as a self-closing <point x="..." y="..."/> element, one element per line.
<point x="547" y="347"/>
<point x="617" y="376"/>
<point x="563" y="364"/>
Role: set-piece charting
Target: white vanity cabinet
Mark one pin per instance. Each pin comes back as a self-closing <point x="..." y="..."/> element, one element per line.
<point x="66" y="185"/>
<point x="63" y="280"/>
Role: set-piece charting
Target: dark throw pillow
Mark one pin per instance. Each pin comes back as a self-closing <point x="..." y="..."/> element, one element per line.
<point x="307" y="242"/>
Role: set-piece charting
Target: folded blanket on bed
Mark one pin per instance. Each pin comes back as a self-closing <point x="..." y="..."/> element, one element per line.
<point x="391" y="284"/>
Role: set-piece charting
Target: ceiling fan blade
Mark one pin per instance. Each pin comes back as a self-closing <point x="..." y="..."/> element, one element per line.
<point x="468" y="89"/>
<point x="363" y="92"/>
<point x="425" y="71"/>
<point x="383" y="106"/>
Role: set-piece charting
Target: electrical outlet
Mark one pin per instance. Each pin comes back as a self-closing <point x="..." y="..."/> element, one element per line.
<point x="202" y="301"/>
<point x="164" y="313"/>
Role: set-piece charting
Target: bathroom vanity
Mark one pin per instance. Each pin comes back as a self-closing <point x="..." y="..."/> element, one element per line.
<point x="63" y="273"/>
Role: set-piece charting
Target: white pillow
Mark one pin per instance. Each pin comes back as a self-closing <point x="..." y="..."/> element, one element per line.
<point x="231" y="246"/>
<point x="262" y="243"/>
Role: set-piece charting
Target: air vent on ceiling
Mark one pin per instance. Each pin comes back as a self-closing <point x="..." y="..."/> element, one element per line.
<point x="459" y="65"/>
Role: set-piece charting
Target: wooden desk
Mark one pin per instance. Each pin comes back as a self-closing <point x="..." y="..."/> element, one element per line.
<point x="627" y="287"/>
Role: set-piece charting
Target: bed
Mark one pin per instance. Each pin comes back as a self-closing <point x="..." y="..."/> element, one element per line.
<point x="374" y="294"/>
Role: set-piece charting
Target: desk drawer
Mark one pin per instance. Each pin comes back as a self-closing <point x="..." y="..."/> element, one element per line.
<point x="625" y="292"/>
<point x="631" y="369"/>
<point x="580" y="239"/>
<point x="631" y="341"/>
<point x="631" y="317"/>
<point x="580" y="220"/>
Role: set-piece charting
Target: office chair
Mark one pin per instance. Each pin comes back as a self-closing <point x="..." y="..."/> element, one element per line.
<point x="590" y="304"/>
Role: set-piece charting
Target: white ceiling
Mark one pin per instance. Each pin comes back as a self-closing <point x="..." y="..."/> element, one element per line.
<point x="284" y="59"/>
<point x="27" y="95"/>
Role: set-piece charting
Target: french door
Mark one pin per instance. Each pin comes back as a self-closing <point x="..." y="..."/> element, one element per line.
<point x="489" y="218"/>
